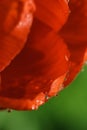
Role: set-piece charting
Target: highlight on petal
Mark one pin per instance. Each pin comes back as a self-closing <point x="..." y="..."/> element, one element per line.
<point x="37" y="72"/>
<point x="53" y="13"/>
<point x="15" y="21"/>
<point x="85" y="56"/>
<point x="57" y="85"/>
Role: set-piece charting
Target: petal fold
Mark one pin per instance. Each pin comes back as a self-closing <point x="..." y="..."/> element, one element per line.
<point x="31" y="76"/>
<point x="74" y="33"/>
<point x="15" y="21"/>
<point x="53" y="13"/>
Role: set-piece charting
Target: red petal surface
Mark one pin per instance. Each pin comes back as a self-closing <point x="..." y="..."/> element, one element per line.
<point x="37" y="72"/>
<point x="15" y="22"/>
<point x="74" y="33"/>
<point x="39" y="65"/>
<point x="75" y="29"/>
<point x="77" y="60"/>
<point x="54" y="13"/>
<point x="85" y="56"/>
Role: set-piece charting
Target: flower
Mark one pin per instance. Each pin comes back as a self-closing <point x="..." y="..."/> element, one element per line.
<point x="43" y="49"/>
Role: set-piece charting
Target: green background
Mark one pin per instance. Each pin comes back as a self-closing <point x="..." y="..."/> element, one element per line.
<point x="67" y="111"/>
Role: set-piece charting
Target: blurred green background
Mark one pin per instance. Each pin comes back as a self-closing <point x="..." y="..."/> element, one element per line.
<point x="67" y="111"/>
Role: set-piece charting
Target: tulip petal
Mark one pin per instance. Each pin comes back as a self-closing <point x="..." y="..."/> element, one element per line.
<point x="74" y="34"/>
<point x="75" y="30"/>
<point x="31" y="76"/>
<point x="15" y="22"/>
<point x="77" y="60"/>
<point x="55" y="11"/>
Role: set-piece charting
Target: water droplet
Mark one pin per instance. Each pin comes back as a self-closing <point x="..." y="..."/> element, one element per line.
<point x="66" y="58"/>
<point x="41" y="102"/>
<point x="33" y="107"/>
<point x="37" y="101"/>
<point x="47" y="97"/>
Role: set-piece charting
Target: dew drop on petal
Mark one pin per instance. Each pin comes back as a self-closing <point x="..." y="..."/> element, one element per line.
<point x="37" y="101"/>
<point x="33" y="107"/>
<point x="66" y="58"/>
<point x="47" y="97"/>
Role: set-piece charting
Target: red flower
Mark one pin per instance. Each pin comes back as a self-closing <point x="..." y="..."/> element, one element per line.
<point x="37" y="65"/>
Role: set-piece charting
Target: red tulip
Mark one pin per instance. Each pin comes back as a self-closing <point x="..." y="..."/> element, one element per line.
<point x="37" y="63"/>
